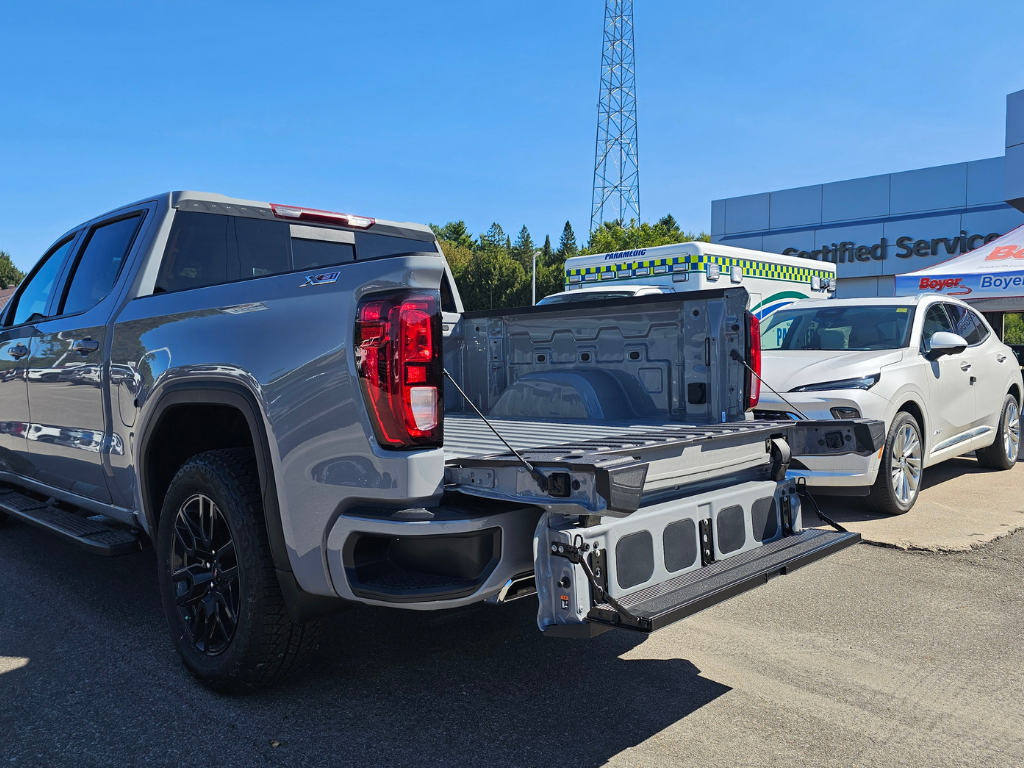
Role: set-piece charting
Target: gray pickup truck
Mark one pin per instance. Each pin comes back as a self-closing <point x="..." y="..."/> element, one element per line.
<point x="290" y="405"/>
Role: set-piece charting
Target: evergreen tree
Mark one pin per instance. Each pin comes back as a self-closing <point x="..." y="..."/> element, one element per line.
<point x="455" y="232"/>
<point x="494" y="237"/>
<point x="567" y="245"/>
<point x="546" y="253"/>
<point x="10" y="275"/>
<point x="523" y="249"/>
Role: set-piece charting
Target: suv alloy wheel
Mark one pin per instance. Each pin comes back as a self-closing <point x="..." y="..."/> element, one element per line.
<point x="1005" y="451"/>
<point x="899" y="476"/>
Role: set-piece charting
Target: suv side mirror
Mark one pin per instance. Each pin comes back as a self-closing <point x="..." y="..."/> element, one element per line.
<point x="945" y="343"/>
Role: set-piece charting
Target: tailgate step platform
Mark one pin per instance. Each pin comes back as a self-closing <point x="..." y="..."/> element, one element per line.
<point x="92" y="534"/>
<point x="662" y="604"/>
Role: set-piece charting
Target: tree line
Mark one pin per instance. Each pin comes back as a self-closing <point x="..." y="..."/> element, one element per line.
<point x="493" y="272"/>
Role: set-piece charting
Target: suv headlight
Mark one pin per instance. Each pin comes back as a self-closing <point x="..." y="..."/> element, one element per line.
<point x="862" y="382"/>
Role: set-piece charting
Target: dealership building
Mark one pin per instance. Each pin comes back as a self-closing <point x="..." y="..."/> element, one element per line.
<point x="877" y="227"/>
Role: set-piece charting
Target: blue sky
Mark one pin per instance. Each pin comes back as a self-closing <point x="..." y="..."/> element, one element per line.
<point x="483" y="111"/>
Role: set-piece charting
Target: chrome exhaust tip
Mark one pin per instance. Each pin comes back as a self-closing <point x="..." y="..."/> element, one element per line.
<point x="515" y="588"/>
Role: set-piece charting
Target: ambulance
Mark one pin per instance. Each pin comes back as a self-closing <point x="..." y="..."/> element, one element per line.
<point x="771" y="280"/>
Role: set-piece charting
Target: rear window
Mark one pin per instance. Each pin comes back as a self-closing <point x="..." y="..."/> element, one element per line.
<point x="208" y="248"/>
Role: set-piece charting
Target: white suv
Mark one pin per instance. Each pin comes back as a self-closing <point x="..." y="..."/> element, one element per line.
<point x="929" y="366"/>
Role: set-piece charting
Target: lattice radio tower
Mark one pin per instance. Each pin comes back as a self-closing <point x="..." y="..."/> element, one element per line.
<point x="616" y="170"/>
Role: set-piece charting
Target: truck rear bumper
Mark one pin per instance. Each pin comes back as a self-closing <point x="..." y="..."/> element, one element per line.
<point x="430" y="559"/>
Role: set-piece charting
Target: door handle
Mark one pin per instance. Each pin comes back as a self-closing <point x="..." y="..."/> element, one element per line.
<point x="1000" y="358"/>
<point x="85" y="346"/>
<point x="965" y="366"/>
<point x="18" y="351"/>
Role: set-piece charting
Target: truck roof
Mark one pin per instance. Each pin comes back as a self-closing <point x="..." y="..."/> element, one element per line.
<point x="694" y="247"/>
<point x="211" y="201"/>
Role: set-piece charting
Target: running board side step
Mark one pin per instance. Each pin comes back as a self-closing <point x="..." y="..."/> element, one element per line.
<point x="662" y="604"/>
<point x="89" y="533"/>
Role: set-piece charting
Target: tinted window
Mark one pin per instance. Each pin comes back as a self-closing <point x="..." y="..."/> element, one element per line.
<point x="208" y="249"/>
<point x="307" y="254"/>
<point x="967" y="324"/>
<point x="98" y="265"/>
<point x="842" y="327"/>
<point x="375" y="246"/>
<point x="447" y="297"/>
<point x="262" y="248"/>
<point x="36" y="291"/>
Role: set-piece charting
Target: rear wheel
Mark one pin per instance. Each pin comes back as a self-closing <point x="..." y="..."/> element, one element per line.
<point x="1003" y="453"/>
<point x="217" y="580"/>
<point x="899" y="477"/>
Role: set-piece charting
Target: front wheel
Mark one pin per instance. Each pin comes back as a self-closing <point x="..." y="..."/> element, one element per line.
<point x="899" y="477"/>
<point x="1003" y="453"/>
<point x="217" y="580"/>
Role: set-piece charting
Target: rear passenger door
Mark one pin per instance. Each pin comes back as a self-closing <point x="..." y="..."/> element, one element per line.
<point x="987" y="375"/>
<point x="67" y="436"/>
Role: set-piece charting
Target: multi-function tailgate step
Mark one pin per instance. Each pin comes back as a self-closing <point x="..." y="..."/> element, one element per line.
<point x="661" y="604"/>
<point x="90" y="533"/>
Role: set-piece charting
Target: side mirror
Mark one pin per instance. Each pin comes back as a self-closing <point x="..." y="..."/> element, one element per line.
<point x="945" y="343"/>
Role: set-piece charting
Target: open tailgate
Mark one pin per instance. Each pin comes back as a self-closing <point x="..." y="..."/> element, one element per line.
<point x="629" y="538"/>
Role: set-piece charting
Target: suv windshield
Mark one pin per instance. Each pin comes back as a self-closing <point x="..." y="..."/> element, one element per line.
<point x="843" y="327"/>
<point x="576" y="296"/>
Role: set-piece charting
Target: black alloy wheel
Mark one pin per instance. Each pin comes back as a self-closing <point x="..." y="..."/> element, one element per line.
<point x="204" y="571"/>
<point x="218" y="583"/>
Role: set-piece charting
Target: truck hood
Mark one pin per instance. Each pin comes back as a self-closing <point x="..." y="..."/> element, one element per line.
<point x="785" y="370"/>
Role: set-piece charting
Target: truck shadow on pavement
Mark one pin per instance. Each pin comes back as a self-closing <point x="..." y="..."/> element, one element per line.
<point x="479" y="685"/>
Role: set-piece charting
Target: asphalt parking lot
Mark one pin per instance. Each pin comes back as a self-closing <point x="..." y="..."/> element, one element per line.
<point x="875" y="656"/>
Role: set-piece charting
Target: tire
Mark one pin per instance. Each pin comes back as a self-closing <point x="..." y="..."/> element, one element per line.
<point x="1005" y="451"/>
<point x="231" y="629"/>
<point x="898" y="484"/>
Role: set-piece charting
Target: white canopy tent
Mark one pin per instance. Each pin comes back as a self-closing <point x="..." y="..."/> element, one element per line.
<point x="990" y="278"/>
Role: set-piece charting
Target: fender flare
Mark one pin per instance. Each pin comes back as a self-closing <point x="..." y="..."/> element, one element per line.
<point x="241" y="399"/>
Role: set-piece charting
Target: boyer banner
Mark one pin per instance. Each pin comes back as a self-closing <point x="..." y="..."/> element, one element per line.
<point x="975" y="286"/>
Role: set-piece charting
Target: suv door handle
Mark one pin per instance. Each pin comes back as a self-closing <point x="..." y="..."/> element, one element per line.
<point x="18" y="351"/>
<point x="1000" y="358"/>
<point x="85" y="346"/>
<point x="965" y="366"/>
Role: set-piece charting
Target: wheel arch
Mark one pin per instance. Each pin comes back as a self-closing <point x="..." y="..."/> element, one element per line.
<point x="1015" y="391"/>
<point x="915" y="409"/>
<point x="205" y="394"/>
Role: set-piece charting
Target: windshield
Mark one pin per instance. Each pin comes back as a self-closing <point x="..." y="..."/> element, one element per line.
<point x="844" y="327"/>
<point x="575" y="296"/>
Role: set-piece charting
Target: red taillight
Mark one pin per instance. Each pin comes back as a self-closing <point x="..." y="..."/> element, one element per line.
<point x="754" y="361"/>
<point x="327" y="217"/>
<point x="399" y="358"/>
